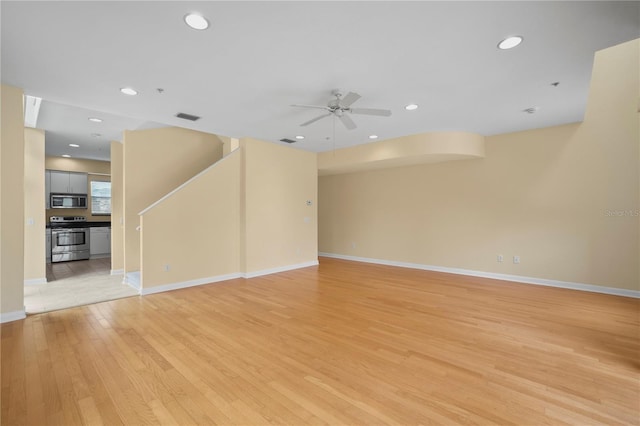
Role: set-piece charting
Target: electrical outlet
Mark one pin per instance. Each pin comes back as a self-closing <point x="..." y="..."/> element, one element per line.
<point x="500" y="258"/>
<point x="516" y="259"/>
<point x="167" y="267"/>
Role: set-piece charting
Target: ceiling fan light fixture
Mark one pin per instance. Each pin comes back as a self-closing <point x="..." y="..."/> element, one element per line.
<point x="196" y="21"/>
<point x="411" y="107"/>
<point x="510" y="42"/>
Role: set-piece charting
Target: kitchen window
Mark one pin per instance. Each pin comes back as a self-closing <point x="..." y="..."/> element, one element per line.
<point x="100" y="198"/>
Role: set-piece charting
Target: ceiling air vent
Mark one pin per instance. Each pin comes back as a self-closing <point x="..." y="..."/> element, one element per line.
<point x="187" y="116"/>
<point x="287" y="140"/>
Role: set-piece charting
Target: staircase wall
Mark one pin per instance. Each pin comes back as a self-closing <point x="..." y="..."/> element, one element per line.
<point x="194" y="232"/>
<point x="155" y="161"/>
<point x="252" y="213"/>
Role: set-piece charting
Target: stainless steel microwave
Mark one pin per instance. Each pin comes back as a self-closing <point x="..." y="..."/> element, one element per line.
<point x="68" y="201"/>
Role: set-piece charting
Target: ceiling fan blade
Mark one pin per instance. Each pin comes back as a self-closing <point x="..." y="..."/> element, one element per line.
<point x="313" y="120"/>
<point x="311" y="106"/>
<point x="347" y="121"/>
<point x="349" y="98"/>
<point x="371" y="111"/>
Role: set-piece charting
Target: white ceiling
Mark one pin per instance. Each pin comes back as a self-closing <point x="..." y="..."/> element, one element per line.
<point x="257" y="58"/>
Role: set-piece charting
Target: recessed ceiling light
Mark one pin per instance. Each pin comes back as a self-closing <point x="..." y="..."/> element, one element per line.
<point x="510" y="42"/>
<point x="196" y="21"/>
<point x="129" y="91"/>
<point x="373" y="137"/>
<point x="95" y="119"/>
<point x="299" y="137"/>
<point x="411" y="107"/>
<point x="66" y="155"/>
<point x="75" y="145"/>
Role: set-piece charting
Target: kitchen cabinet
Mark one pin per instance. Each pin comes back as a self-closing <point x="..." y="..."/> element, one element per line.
<point x="100" y="241"/>
<point x="48" y="245"/>
<point x="47" y="189"/>
<point x="68" y="182"/>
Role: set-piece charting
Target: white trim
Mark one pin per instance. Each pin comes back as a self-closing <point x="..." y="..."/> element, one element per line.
<point x="99" y="256"/>
<point x="190" y="283"/>
<point x="183" y="185"/>
<point x="504" y="277"/>
<point x="132" y="279"/>
<point x="12" y="316"/>
<point x="219" y="278"/>
<point x="117" y="272"/>
<point x="35" y="281"/>
<point x="280" y="269"/>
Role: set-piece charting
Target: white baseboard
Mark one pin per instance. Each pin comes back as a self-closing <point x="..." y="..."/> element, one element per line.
<point x="280" y="269"/>
<point x="12" y="316"/>
<point x="190" y="283"/>
<point x="132" y="279"/>
<point x="35" y="281"/>
<point x="503" y="277"/>
<point x="99" y="256"/>
<point x="220" y="278"/>
<point x="117" y="271"/>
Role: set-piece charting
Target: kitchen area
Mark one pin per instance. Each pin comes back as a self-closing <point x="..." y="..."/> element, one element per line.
<point x="71" y="236"/>
<point x="78" y="237"/>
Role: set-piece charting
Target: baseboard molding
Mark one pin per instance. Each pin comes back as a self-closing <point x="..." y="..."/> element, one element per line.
<point x="220" y="278"/>
<point x="100" y="256"/>
<point x="190" y="283"/>
<point x="503" y="277"/>
<point x="117" y="271"/>
<point x="280" y="269"/>
<point x="132" y="279"/>
<point x="35" y="281"/>
<point x="12" y="316"/>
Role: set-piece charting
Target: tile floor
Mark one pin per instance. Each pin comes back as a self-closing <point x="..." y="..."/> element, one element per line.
<point x="76" y="283"/>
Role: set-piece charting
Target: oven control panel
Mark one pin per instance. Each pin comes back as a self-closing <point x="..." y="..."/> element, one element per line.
<point x="67" y="219"/>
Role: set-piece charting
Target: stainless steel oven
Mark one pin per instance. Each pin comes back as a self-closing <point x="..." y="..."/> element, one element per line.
<point x="69" y="242"/>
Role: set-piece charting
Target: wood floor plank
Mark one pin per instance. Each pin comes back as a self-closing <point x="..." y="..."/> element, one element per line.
<point x="341" y="343"/>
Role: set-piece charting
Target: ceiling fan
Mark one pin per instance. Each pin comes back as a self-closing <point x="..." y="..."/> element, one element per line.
<point x="340" y="106"/>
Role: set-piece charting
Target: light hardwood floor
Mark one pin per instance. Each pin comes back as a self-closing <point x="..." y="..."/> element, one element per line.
<point x="342" y="343"/>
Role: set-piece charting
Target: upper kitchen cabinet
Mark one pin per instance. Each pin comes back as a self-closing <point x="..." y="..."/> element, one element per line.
<point x="68" y="182"/>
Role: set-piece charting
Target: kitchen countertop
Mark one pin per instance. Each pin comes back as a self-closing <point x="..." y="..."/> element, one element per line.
<point x="78" y="225"/>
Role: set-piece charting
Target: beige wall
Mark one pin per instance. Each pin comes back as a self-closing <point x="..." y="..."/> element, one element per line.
<point x="195" y="232"/>
<point x="280" y="229"/>
<point x="97" y="170"/>
<point x="565" y="199"/>
<point x="423" y="148"/>
<point x="77" y="165"/>
<point x="117" y="221"/>
<point x="246" y="214"/>
<point x="34" y="206"/>
<point x="155" y="162"/>
<point x="11" y="201"/>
